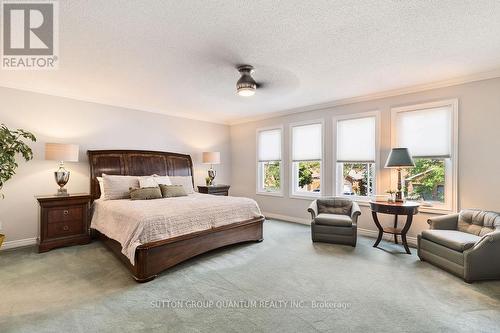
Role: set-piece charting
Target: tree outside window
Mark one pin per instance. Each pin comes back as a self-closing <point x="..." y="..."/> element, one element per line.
<point x="426" y="181"/>
<point x="357" y="178"/>
<point x="272" y="173"/>
<point x="309" y="176"/>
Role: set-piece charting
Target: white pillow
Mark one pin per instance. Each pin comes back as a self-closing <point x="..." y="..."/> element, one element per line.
<point x="185" y="181"/>
<point x="117" y="187"/>
<point x="162" y="180"/>
<point x="147" y="181"/>
<point x="101" y="186"/>
<point x="153" y="181"/>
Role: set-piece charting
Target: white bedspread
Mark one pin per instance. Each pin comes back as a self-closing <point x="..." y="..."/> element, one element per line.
<point x="136" y="222"/>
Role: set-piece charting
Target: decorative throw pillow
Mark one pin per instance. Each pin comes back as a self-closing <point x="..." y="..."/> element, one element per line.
<point x="145" y="193"/>
<point x="185" y="181"/>
<point x="117" y="187"/>
<point x="172" y="191"/>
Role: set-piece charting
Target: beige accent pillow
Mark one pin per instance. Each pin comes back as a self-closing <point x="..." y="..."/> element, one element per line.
<point x="185" y="181"/>
<point x="172" y="191"/>
<point x="117" y="187"/>
<point x="145" y="193"/>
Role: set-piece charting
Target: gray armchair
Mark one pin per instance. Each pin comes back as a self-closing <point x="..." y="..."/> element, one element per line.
<point x="334" y="220"/>
<point x="466" y="244"/>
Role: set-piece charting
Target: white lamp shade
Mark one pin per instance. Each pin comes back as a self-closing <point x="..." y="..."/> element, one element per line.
<point x="61" y="152"/>
<point x="211" y="157"/>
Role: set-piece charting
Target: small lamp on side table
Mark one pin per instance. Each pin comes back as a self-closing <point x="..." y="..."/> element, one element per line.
<point x="62" y="153"/>
<point x="399" y="158"/>
<point x="211" y="157"/>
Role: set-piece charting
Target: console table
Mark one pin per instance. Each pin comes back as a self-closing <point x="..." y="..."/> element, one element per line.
<point x="394" y="208"/>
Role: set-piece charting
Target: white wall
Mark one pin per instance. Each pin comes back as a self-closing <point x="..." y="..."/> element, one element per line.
<point x="479" y="150"/>
<point x="92" y="126"/>
<point x="95" y="126"/>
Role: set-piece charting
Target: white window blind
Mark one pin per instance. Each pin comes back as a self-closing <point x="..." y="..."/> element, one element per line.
<point x="306" y="142"/>
<point x="356" y="140"/>
<point x="426" y="133"/>
<point x="270" y="145"/>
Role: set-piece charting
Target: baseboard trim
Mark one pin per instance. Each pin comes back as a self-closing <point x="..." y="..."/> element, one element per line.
<point x="287" y="218"/>
<point x="18" y="243"/>
<point x="412" y="241"/>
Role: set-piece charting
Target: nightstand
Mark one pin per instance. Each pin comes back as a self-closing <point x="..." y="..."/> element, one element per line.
<point x="64" y="221"/>
<point x="215" y="189"/>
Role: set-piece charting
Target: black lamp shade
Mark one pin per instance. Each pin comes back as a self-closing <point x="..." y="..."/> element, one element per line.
<point x="399" y="158"/>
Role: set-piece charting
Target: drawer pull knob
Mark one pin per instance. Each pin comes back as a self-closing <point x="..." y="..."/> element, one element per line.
<point x="66" y="212"/>
<point x="65" y="228"/>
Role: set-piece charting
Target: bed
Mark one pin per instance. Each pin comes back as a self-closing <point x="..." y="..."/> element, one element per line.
<point x="146" y="260"/>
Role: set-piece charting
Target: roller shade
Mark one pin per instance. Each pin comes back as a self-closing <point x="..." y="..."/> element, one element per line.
<point x="426" y="133"/>
<point x="306" y="142"/>
<point x="269" y="145"/>
<point x="356" y="140"/>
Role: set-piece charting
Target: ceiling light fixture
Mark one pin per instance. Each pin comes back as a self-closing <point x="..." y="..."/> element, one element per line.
<point x="246" y="85"/>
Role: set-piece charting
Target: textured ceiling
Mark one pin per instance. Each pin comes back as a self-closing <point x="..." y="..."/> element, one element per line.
<point x="178" y="57"/>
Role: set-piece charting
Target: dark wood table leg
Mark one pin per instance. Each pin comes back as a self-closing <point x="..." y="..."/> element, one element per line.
<point x="380" y="229"/>
<point x="409" y="219"/>
<point x="395" y="226"/>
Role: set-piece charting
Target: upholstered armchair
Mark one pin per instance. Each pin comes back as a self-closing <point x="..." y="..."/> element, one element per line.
<point x="466" y="244"/>
<point x="334" y="220"/>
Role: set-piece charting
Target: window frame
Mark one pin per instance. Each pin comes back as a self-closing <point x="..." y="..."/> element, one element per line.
<point x="306" y="195"/>
<point x="376" y="178"/>
<point x="259" y="190"/>
<point x="451" y="185"/>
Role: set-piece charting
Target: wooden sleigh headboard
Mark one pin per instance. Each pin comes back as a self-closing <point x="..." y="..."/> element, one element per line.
<point x="136" y="163"/>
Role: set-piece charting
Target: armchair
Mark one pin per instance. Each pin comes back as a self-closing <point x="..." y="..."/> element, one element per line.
<point x="334" y="220"/>
<point x="466" y="244"/>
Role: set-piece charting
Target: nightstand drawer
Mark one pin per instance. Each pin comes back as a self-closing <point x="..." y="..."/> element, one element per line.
<point x="63" y="229"/>
<point x="64" y="214"/>
<point x="215" y="189"/>
<point x="219" y="193"/>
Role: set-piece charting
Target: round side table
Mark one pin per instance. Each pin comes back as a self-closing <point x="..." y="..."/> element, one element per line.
<point x="408" y="208"/>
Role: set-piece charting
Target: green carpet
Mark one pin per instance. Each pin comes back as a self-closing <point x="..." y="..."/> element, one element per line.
<point x="284" y="284"/>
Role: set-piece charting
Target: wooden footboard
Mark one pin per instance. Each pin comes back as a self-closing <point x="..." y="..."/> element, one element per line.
<point x="153" y="258"/>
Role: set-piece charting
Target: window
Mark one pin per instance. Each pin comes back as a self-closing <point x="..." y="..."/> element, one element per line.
<point x="426" y="182"/>
<point x="307" y="152"/>
<point x="356" y="155"/>
<point x="269" y="165"/>
<point x="429" y="131"/>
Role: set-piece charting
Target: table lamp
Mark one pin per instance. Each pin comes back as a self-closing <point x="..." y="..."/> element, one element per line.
<point x="62" y="153"/>
<point x="399" y="158"/>
<point x="211" y="158"/>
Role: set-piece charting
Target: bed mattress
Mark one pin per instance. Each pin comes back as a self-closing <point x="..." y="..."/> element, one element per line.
<point x="136" y="222"/>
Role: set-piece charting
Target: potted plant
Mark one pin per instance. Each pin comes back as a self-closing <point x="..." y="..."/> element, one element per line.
<point x="11" y="144"/>
<point x="392" y="195"/>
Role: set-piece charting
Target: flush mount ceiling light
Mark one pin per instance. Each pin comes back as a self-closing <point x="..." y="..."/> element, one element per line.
<point x="246" y="85"/>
